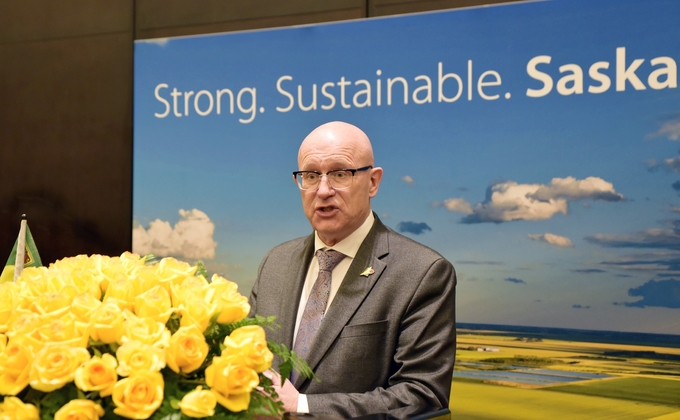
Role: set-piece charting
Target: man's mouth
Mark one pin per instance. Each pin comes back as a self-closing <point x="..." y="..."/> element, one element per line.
<point x="325" y="209"/>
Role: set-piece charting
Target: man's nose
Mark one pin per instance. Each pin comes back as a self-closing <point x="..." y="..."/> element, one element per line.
<point x="325" y="189"/>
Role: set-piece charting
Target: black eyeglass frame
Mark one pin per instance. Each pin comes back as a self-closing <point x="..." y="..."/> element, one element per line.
<point x="353" y="171"/>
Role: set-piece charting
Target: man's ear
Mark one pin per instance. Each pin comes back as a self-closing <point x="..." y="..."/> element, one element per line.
<point x="376" y="176"/>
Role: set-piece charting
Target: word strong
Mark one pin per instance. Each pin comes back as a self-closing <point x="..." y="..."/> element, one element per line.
<point x="663" y="75"/>
<point x="205" y="102"/>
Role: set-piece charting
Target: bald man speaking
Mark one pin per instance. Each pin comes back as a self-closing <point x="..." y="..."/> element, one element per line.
<point x="371" y="311"/>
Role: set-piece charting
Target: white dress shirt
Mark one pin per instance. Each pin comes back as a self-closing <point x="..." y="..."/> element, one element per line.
<point x="348" y="246"/>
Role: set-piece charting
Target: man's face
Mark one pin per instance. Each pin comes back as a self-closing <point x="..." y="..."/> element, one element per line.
<point x="335" y="214"/>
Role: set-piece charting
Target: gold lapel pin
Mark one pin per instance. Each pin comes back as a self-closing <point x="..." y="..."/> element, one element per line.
<point x="367" y="272"/>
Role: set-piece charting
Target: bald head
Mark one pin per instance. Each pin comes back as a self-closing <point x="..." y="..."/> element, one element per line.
<point x="337" y="212"/>
<point x="340" y="135"/>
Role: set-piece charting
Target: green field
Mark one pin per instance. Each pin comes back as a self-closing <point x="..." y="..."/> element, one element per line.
<point x="648" y="390"/>
<point x="643" y="381"/>
<point x="471" y="400"/>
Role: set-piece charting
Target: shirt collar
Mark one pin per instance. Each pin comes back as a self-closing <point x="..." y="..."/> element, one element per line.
<point x="350" y="245"/>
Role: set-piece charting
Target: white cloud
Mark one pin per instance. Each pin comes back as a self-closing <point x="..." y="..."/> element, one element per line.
<point x="407" y="179"/>
<point x="459" y="205"/>
<point x="552" y="239"/>
<point x="162" y="42"/>
<point x="509" y="201"/>
<point x="669" y="129"/>
<point x="673" y="163"/>
<point x="191" y="237"/>
<point x="592" y="188"/>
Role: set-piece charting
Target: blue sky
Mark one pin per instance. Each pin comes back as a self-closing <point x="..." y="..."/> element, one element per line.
<point x="556" y="210"/>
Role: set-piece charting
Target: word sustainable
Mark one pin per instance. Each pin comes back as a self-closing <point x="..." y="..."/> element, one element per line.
<point x="443" y="87"/>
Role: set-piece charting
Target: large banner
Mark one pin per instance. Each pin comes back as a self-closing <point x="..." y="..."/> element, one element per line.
<point x="534" y="145"/>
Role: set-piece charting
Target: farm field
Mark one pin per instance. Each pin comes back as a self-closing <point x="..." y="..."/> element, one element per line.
<point x="478" y="401"/>
<point x="514" y="377"/>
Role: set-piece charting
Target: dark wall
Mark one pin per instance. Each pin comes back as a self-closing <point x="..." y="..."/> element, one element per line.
<point x="66" y="103"/>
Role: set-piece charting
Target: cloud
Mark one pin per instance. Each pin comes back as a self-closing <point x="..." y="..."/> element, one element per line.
<point x="676" y="185"/>
<point x="509" y="201"/>
<point x="407" y="179"/>
<point x="650" y="238"/>
<point x="514" y="280"/>
<point x="675" y="209"/>
<point x="413" y="227"/>
<point x="580" y="306"/>
<point x="673" y="163"/>
<point x="663" y="263"/>
<point x="669" y="129"/>
<point x="552" y="239"/>
<point x="162" y="42"/>
<point x="663" y="294"/>
<point x="459" y="205"/>
<point x="190" y="238"/>
<point x="588" y="270"/>
<point x="570" y="188"/>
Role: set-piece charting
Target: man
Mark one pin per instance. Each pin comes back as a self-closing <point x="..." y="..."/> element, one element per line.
<point x="381" y="336"/>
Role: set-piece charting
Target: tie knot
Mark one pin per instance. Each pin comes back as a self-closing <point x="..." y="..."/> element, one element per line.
<point x="328" y="259"/>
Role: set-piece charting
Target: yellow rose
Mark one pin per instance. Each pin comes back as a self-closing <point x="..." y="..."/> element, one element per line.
<point x="98" y="374"/>
<point x="79" y="410"/>
<point x="83" y="306"/>
<point x="69" y="263"/>
<point x="16" y="360"/>
<point x="13" y="408"/>
<point x="30" y="274"/>
<point x="196" y="311"/>
<point x="191" y="285"/>
<point x="112" y="272"/>
<point x="54" y="304"/>
<point x="123" y="291"/>
<point x="231" y="305"/>
<point x="134" y="356"/>
<point x="198" y="403"/>
<point x="148" y="277"/>
<point x="106" y="324"/>
<point x="63" y="331"/>
<point x="172" y="271"/>
<point x="138" y="396"/>
<point x="250" y="343"/>
<point x="25" y="323"/>
<point x="54" y="366"/>
<point x="231" y="382"/>
<point x="86" y="281"/>
<point x="145" y="330"/>
<point x="187" y="350"/>
<point x="9" y="300"/>
<point x="154" y="303"/>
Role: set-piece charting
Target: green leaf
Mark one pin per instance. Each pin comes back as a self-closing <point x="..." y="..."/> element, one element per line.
<point x="290" y="360"/>
<point x="200" y="270"/>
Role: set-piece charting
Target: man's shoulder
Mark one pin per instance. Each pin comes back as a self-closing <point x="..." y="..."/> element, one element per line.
<point x="291" y="245"/>
<point x="401" y="244"/>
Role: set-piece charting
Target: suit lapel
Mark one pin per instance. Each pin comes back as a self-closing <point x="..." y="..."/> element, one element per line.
<point x="292" y="289"/>
<point x="352" y="292"/>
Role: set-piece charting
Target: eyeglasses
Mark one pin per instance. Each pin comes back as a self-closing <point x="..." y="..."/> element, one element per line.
<point x="338" y="179"/>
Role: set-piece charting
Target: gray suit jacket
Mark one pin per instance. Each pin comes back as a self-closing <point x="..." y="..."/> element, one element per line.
<point x="387" y="342"/>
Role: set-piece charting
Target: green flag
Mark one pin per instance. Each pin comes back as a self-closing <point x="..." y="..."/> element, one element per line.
<point x="31" y="257"/>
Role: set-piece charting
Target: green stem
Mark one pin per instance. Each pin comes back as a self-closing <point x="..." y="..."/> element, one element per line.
<point x="192" y="381"/>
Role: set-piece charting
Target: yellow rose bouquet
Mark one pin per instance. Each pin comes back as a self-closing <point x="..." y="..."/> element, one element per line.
<point x="132" y="337"/>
